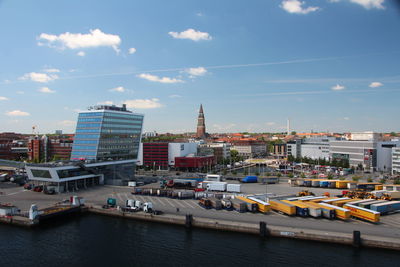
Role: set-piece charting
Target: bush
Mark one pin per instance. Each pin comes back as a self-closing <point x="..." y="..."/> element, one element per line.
<point x="356" y="178"/>
<point x="302" y="175"/>
<point x="290" y="175"/>
<point x="369" y="180"/>
<point x="234" y="172"/>
<point x="330" y="176"/>
<point x="257" y="174"/>
<point x="279" y="175"/>
<point x="397" y="181"/>
<point x="382" y="181"/>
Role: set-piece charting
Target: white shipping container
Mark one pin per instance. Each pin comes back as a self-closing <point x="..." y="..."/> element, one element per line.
<point x="216" y="186"/>
<point x="131" y="184"/>
<point x="233" y="188"/>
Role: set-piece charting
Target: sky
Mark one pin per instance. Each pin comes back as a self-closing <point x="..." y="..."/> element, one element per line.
<point x="327" y="65"/>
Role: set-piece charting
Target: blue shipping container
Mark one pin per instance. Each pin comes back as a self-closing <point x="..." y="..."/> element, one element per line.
<point x="323" y="184"/>
<point x="303" y="212"/>
<point x="249" y="179"/>
<point x="386" y="207"/>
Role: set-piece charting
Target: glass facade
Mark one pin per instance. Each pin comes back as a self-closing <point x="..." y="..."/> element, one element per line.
<point x="108" y="133"/>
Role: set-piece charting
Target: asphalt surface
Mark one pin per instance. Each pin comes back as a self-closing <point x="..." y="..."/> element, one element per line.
<point x="389" y="226"/>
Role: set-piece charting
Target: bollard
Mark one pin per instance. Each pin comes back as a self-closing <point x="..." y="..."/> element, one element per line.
<point x="263" y="229"/>
<point x="356" y="239"/>
<point x="188" y="222"/>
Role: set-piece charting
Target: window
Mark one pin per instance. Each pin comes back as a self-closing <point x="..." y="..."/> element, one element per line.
<point x="41" y="173"/>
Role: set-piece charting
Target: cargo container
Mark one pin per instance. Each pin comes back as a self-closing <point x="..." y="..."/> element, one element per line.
<point x="367" y="205"/>
<point x="301" y="209"/>
<point x="226" y="204"/>
<point x="351" y="185"/>
<point x="378" y="193"/>
<point x="317" y="200"/>
<point x="341" y="213"/>
<point x="239" y="205"/>
<point x="313" y="210"/>
<point x="214" y="177"/>
<point x="308" y="198"/>
<point x="332" y="184"/>
<point x="215" y="203"/>
<point x="233" y="188"/>
<point x="367" y="186"/>
<point x="391" y="187"/>
<point x="216" y="186"/>
<point x="250" y="179"/>
<point x="262" y="206"/>
<point x="359" y="202"/>
<point x="387" y="207"/>
<point x="324" y="183"/>
<point x="340" y="203"/>
<point x="282" y="207"/>
<point x="394" y="194"/>
<point x="315" y="183"/>
<point x="327" y="212"/>
<point x="251" y="204"/>
<point x="362" y="213"/>
<point x="307" y="183"/>
<point x="342" y="184"/>
<point x="185" y="194"/>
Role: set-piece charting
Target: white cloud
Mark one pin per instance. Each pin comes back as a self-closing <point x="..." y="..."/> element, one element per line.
<point x="191" y="34"/>
<point x="95" y="38"/>
<point x="346" y="118"/>
<point x="132" y="50"/>
<point x="296" y="7"/>
<point x="143" y="103"/>
<point x="154" y="78"/>
<point x="39" y="77"/>
<point x="81" y="53"/>
<point x="3" y="98"/>
<point x="118" y="89"/>
<point x="375" y="84"/>
<point x="338" y="87"/>
<point x="53" y="70"/>
<point x="175" y="96"/>
<point x="20" y="92"/>
<point x="67" y="123"/>
<point x="17" y="113"/>
<point x="200" y="71"/>
<point x="46" y="90"/>
<point x="369" y="4"/>
<point x="271" y="123"/>
<point x="108" y="103"/>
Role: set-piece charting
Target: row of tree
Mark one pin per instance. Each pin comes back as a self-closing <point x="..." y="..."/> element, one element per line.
<point x="343" y="163"/>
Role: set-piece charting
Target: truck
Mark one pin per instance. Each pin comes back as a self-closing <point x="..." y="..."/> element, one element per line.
<point x="313" y="210"/>
<point x="148" y="207"/>
<point x="111" y="203"/>
<point x="326" y="211"/>
<point x="130" y="205"/>
<point x="185" y="194"/>
<point x="251" y="204"/>
<point x="216" y="186"/>
<point x="226" y="204"/>
<point x="250" y="179"/>
<point x="262" y="206"/>
<point x="213" y="177"/>
<point x="239" y="205"/>
<point x="235" y="188"/>
<point x="215" y="203"/>
<point x="205" y="203"/>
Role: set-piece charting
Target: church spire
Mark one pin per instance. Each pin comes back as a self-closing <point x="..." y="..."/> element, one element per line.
<point x="201" y="126"/>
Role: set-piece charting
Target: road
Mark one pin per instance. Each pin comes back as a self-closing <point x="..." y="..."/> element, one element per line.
<point x="389" y="226"/>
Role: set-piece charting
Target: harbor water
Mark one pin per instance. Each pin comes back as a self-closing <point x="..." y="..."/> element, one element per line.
<point x="92" y="240"/>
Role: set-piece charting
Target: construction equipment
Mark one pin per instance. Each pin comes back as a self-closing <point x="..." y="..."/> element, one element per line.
<point x="305" y="193"/>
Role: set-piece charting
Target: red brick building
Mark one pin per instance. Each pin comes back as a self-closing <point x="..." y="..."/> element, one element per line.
<point x="48" y="148"/>
<point x="194" y="162"/>
<point x="155" y="155"/>
<point x="12" y="146"/>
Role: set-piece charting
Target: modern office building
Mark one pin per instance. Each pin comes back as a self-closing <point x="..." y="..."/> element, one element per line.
<point x="104" y="151"/>
<point x="249" y="149"/>
<point x="107" y="132"/>
<point x="316" y="147"/>
<point x="293" y="148"/>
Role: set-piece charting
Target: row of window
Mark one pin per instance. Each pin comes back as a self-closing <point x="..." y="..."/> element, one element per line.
<point x="83" y="153"/>
<point x="109" y="119"/>
<point x="87" y="130"/>
<point x="117" y="115"/>
<point x="91" y="114"/>
<point x="77" y="147"/>
<point x="88" y="125"/>
<point x="85" y="142"/>
<point x="89" y="119"/>
<point x="133" y="131"/>
<point x="106" y="125"/>
<point x="86" y="136"/>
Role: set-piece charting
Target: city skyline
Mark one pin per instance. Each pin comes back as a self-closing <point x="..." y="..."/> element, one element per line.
<point x="326" y="65"/>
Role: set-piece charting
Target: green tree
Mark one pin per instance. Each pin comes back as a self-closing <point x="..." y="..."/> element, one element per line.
<point x="293" y="133"/>
<point x="302" y="175"/>
<point x="369" y="180"/>
<point x="393" y="134"/>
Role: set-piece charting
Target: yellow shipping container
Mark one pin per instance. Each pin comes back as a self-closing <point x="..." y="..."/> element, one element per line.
<point x="342" y="184"/>
<point x="286" y="208"/>
<point x="362" y="213"/>
<point x="340" y="203"/>
<point x="263" y="208"/>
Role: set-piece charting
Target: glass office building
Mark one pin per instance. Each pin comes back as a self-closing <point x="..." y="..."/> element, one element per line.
<point x="107" y="133"/>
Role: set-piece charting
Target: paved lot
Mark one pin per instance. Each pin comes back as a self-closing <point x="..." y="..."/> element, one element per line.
<point x="389" y="226"/>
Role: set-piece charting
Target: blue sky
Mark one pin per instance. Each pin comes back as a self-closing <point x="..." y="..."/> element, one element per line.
<point x="327" y="65"/>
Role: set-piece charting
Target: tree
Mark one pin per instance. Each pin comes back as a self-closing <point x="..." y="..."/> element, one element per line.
<point x="393" y="134"/>
<point x="293" y="133"/>
<point x="302" y="175"/>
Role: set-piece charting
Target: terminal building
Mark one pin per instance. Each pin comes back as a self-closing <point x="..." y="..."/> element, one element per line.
<point x="104" y="151"/>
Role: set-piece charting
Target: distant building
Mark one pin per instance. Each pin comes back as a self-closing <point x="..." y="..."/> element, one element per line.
<point x="249" y="149"/>
<point x="365" y="136"/>
<point x="279" y="150"/>
<point x="201" y="125"/>
<point x="13" y="146"/>
<point x="48" y="148"/>
<point x="396" y="160"/>
<point x="221" y="151"/>
<point x="58" y="132"/>
<point x="194" y="163"/>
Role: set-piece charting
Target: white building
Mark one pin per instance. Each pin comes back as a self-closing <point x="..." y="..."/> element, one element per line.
<point x="365" y="136"/>
<point x="396" y="160"/>
<point x="180" y="150"/>
<point x="316" y="147"/>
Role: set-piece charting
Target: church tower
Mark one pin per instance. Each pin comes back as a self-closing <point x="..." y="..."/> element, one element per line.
<point x="201" y="126"/>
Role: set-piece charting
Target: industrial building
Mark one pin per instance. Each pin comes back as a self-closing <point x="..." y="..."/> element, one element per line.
<point x="396" y="160"/>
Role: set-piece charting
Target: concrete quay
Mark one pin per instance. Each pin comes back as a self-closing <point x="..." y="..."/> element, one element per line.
<point x="252" y="228"/>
